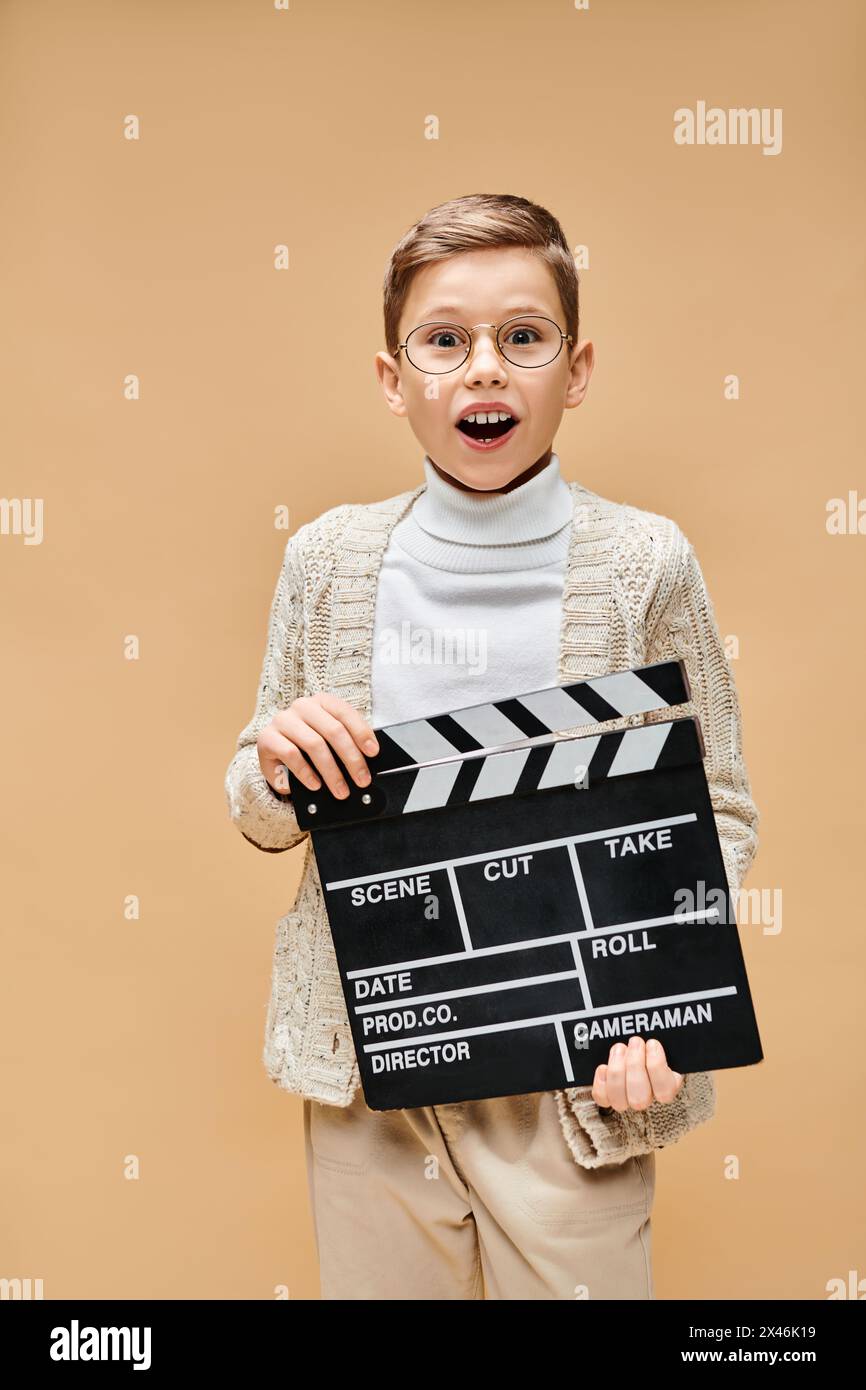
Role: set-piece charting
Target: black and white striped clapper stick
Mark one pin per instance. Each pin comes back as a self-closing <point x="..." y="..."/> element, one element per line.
<point x="546" y="711"/>
<point x="445" y="749"/>
<point x="505" y="904"/>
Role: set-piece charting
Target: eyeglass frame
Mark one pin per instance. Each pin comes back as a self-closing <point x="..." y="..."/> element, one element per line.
<point x="516" y="318"/>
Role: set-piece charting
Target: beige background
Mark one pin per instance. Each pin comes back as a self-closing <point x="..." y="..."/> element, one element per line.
<point x="155" y="257"/>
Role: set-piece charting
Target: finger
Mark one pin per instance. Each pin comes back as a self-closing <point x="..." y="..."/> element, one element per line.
<point x="666" y="1083"/>
<point x="294" y="730"/>
<point x="599" y="1085"/>
<point x="616" y="1077"/>
<point x="363" y="734"/>
<point x="335" y="733"/>
<point x="280" y="754"/>
<point x="638" y="1086"/>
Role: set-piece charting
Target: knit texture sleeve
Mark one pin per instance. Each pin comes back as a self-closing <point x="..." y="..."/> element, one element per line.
<point x="266" y="817"/>
<point x="681" y="624"/>
<point x="686" y="629"/>
<point x="597" y="1135"/>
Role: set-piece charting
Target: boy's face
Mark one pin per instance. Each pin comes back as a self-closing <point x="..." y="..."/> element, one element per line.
<point x="484" y="287"/>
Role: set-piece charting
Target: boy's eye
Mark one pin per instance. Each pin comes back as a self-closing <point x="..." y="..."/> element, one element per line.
<point x="523" y="336"/>
<point x="445" y="339"/>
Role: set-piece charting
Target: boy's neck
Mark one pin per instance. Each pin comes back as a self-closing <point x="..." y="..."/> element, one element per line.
<point x="497" y="492"/>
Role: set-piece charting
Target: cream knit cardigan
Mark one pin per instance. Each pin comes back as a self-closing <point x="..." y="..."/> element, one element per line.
<point x="634" y="594"/>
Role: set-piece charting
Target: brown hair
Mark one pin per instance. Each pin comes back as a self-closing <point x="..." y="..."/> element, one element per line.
<point x="477" y="221"/>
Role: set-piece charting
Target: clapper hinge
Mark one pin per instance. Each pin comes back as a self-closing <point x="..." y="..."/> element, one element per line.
<point x="320" y="807"/>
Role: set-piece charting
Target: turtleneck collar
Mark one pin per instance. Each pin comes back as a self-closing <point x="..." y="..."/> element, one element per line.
<point x="456" y="530"/>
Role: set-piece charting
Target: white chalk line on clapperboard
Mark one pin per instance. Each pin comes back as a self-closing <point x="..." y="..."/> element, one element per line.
<point x="556" y="1020"/>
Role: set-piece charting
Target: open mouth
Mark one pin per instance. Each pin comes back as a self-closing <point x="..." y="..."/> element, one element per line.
<point x="487" y="428"/>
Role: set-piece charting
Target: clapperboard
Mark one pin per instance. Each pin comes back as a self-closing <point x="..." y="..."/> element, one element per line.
<point x="502" y="914"/>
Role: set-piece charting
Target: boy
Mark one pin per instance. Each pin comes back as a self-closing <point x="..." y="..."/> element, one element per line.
<point x="546" y="1195"/>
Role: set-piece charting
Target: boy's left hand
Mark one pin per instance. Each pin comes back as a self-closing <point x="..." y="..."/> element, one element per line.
<point x="635" y="1076"/>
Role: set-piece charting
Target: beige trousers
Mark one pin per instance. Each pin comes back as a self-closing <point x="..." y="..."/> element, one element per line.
<point x="479" y="1199"/>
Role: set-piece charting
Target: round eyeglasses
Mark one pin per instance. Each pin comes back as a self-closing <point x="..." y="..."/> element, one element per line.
<point x="528" y="341"/>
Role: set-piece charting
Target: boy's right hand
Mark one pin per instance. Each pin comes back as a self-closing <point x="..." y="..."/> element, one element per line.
<point x="312" y="723"/>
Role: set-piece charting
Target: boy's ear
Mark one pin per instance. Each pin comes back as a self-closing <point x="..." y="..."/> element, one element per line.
<point x="388" y="374"/>
<point x="581" y="371"/>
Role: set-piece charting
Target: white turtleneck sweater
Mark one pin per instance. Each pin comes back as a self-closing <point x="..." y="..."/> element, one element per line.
<point x="469" y="600"/>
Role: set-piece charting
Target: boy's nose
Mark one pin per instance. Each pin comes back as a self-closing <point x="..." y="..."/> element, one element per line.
<point x="485" y="352"/>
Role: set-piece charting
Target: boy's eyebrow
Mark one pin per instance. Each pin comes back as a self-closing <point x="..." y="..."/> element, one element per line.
<point x="439" y="309"/>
